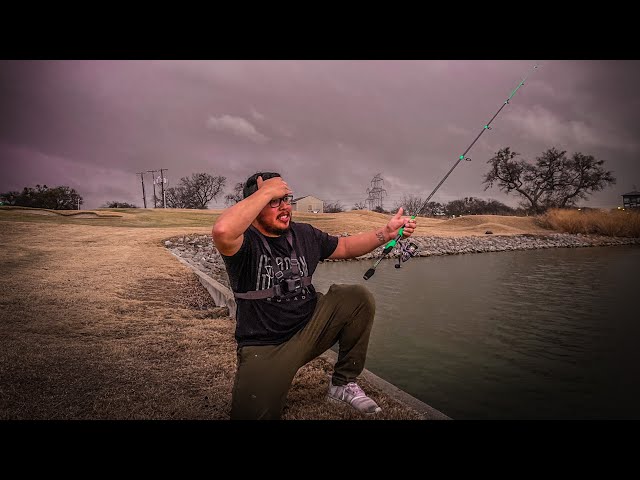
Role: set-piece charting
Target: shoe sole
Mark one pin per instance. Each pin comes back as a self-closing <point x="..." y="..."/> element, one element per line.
<point x="347" y="404"/>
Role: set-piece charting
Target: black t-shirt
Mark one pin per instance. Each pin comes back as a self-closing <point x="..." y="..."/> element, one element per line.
<point x="269" y="321"/>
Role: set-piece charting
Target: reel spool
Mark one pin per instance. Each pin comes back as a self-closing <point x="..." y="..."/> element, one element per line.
<point x="406" y="252"/>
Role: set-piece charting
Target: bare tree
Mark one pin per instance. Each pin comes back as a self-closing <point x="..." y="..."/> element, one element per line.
<point x="413" y="205"/>
<point x="336" y="207"/>
<point x="115" y="204"/>
<point x="477" y="206"/>
<point x="494" y="207"/>
<point x="432" y="209"/>
<point x="359" y="206"/>
<point x="236" y="196"/>
<point x="553" y="181"/>
<point x="195" y="192"/>
<point x="466" y="206"/>
<point x="457" y="207"/>
<point x="176" y="197"/>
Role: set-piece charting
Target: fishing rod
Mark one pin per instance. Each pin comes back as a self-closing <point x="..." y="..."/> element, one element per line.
<point x="412" y="249"/>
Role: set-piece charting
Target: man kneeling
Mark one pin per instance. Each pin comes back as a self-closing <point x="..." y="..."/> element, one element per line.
<point x="282" y="323"/>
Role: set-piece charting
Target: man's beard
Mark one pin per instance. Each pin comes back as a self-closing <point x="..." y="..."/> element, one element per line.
<point x="275" y="230"/>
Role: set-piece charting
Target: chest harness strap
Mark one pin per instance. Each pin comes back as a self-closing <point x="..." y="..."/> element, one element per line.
<point x="287" y="284"/>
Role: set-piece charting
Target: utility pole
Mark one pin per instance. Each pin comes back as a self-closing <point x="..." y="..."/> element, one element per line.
<point x="164" y="203"/>
<point x="153" y="177"/>
<point x="144" y="197"/>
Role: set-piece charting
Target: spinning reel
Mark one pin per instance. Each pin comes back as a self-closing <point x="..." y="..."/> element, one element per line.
<point x="406" y="252"/>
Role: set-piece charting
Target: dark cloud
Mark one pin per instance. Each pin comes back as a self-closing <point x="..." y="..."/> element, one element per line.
<point x="328" y="126"/>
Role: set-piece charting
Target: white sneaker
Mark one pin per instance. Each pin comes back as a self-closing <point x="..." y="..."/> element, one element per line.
<point x="352" y="394"/>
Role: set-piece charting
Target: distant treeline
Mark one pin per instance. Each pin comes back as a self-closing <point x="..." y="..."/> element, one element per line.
<point x="57" y="198"/>
<point x="415" y="205"/>
<point x="553" y="180"/>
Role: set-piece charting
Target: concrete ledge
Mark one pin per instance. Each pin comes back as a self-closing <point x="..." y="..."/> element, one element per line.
<point x="427" y="412"/>
<point x="223" y="297"/>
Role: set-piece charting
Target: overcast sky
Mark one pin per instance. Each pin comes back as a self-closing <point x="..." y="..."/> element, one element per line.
<point x="327" y="126"/>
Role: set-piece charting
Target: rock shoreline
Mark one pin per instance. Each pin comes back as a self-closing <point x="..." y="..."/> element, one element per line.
<point x="199" y="251"/>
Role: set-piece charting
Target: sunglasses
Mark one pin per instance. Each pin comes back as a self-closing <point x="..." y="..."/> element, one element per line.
<point x="275" y="203"/>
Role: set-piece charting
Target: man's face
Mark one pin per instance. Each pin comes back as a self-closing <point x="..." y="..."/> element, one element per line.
<point x="275" y="220"/>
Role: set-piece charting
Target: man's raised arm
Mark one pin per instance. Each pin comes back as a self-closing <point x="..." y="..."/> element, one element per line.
<point x="230" y="226"/>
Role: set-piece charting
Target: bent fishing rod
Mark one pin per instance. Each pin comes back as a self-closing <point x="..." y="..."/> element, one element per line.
<point x="412" y="249"/>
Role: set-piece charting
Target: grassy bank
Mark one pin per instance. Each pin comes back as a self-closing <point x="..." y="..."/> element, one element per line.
<point x="102" y="322"/>
<point x="612" y="223"/>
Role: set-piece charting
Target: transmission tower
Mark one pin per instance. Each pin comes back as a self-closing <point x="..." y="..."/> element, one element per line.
<point x="376" y="193"/>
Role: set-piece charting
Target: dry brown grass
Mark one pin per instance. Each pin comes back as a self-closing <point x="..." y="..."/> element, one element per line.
<point x="358" y="221"/>
<point x="99" y="321"/>
<point x="102" y="322"/>
<point x="351" y="222"/>
<point x="614" y="223"/>
<point x="62" y="213"/>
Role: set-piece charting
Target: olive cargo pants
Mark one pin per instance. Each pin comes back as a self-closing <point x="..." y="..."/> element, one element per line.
<point x="264" y="373"/>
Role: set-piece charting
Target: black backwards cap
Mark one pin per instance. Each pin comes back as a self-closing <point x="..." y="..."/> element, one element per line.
<point x="251" y="185"/>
